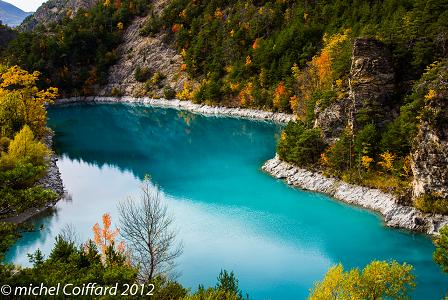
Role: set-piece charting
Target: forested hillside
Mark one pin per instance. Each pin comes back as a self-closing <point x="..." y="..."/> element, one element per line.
<point x="365" y="78"/>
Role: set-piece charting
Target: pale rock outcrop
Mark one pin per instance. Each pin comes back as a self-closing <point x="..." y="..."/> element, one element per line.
<point x="332" y="120"/>
<point x="188" y="106"/>
<point x="151" y="52"/>
<point x="395" y="214"/>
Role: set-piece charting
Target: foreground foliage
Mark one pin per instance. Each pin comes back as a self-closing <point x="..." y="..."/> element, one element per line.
<point x="105" y="262"/>
<point x="23" y="156"/>
<point x="441" y="253"/>
<point x="377" y="280"/>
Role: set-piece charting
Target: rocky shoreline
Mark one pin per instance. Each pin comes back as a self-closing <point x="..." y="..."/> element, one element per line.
<point x="395" y="215"/>
<point x="52" y="180"/>
<point x="188" y="106"/>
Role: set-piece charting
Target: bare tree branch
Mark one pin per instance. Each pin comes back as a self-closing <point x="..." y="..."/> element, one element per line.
<point x="146" y="227"/>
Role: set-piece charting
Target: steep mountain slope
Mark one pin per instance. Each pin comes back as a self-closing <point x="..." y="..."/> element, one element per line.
<point x="151" y="53"/>
<point x="11" y="15"/>
<point x="55" y="10"/>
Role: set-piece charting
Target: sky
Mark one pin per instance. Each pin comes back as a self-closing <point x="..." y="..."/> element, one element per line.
<point x="26" y="5"/>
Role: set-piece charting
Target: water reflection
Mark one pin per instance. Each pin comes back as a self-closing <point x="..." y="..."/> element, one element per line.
<point x="230" y="215"/>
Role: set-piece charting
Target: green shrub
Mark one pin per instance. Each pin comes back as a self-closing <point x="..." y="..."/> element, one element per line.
<point x="116" y="92"/>
<point x="169" y="92"/>
<point x="151" y="26"/>
<point x="366" y="141"/>
<point x="20" y="200"/>
<point x="142" y="74"/>
<point x="4" y="144"/>
<point x="339" y="156"/>
<point x="300" y="145"/>
<point x="432" y="203"/>
<point x="8" y="235"/>
<point x="441" y="254"/>
<point x="155" y="81"/>
<point x="19" y="175"/>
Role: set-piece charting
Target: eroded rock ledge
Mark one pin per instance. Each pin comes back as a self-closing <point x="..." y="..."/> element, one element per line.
<point x="188" y="106"/>
<point x="395" y="215"/>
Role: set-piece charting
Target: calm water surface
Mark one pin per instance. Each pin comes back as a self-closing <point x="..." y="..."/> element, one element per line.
<point x="229" y="214"/>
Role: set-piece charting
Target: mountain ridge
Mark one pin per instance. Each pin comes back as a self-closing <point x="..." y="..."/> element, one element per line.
<point x="12" y="15"/>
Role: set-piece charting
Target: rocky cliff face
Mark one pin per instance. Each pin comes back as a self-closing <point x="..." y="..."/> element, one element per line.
<point x="151" y="53"/>
<point x="372" y="84"/>
<point x="54" y="11"/>
<point x="370" y="90"/>
<point x="332" y="120"/>
<point x="430" y="149"/>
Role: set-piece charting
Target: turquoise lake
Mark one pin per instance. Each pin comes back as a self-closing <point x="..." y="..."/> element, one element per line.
<point x="229" y="214"/>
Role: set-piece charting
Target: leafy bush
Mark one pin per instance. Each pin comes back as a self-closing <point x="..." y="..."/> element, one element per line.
<point x="155" y="81"/>
<point x="19" y="175"/>
<point x="8" y="234"/>
<point x="366" y="142"/>
<point x="339" y="156"/>
<point x="378" y="280"/>
<point x="4" y="144"/>
<point x="18" y="201"/>
<point x="431" y="203"/>
<point x="169" y="92"/>
<point x="300" y="145"/>
<point x="142" y="74"/>
<point x="441" y="253"/>
<point x="25" y="148"/>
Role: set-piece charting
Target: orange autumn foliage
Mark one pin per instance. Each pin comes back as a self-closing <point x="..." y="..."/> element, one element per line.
<point x="176" y="27"/>
<point x="256" y="44"/>
<point x="323" y="67"/>
<point x="105" y="237"/>
<point x="279" y="94"/>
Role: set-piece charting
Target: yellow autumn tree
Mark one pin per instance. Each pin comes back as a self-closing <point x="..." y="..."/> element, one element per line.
<point x="387" y="161"/>
<point x="22" y="102"/>
<point x="25" y="148"/>
<point x="378" y="280"/>
<point x="366" y="161"/>
<point x="245" y="96"/>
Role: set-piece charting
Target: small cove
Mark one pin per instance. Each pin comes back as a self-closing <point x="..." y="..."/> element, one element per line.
<point x="230" y="215"/>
